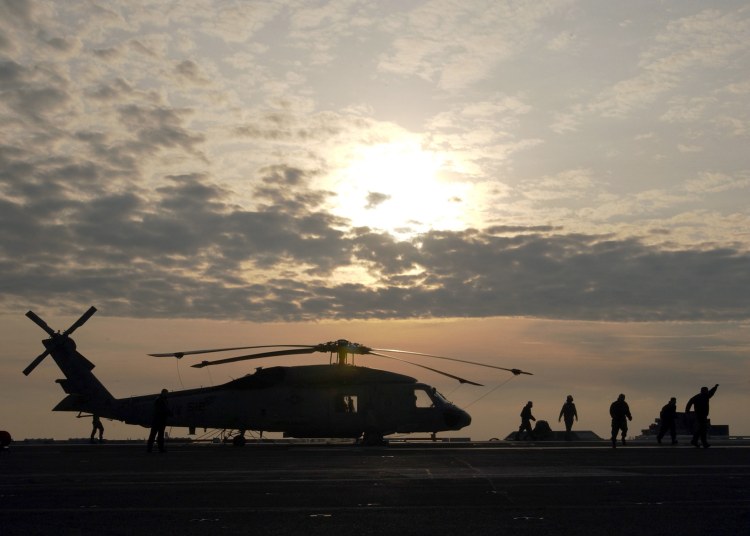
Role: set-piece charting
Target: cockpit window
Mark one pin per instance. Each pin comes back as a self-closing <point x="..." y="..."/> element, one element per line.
<point x="422" y="399"/>
<point x="439" y="395"/>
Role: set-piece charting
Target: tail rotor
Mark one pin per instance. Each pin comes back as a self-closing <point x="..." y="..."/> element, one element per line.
<point x="56" y="338"/>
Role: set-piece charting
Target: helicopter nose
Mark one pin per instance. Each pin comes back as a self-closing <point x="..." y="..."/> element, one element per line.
<point x="456" y="418"/>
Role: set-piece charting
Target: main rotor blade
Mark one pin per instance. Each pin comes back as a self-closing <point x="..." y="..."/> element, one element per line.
<point x="36" y="362"/>
<point x="41" y="323"/>
<point x="255" y="356"/>
<point x="513" y="370"/>
<point x="460" y="380"/>
<point x="81" y="321"/>
<point x="179" y="355"/>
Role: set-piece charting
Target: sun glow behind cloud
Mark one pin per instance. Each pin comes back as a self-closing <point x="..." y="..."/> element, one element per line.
<point x="401" y="188"/>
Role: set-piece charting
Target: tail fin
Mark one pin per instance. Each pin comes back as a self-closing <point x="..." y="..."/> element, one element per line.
<point x="85" y="392"/>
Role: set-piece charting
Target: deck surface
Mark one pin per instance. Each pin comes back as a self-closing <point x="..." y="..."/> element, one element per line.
<point x="472" y="489"/>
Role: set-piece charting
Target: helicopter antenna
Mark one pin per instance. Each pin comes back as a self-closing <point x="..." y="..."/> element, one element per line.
<point x="491" y="390"/>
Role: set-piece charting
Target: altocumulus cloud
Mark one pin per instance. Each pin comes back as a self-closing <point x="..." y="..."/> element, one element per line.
<point x="183" y="250"/>
<point x="115" y="187"/>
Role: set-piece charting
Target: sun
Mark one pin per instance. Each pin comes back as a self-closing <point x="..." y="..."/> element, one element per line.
<point x="401" y="188"/>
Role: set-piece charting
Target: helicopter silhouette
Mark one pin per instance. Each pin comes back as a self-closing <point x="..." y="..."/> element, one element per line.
<point x="337" y="400"/>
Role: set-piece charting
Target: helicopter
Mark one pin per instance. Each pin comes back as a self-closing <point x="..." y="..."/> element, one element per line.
<point x="335" y="400"/>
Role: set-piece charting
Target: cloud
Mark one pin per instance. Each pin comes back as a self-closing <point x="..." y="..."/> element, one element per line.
<point x="156" y="127"/>
<point x="11" y="74"/>
<point x="718" y="182"/>
<point x="706" y="40"/>
<point x="31" y="93"/>
<point x="472" y="41"/>
<point x="185" y="250"/>
<point x="575" y="183"/>
<point x="129" y="181"/>
<point x="190" y="71"/>
<point x="18" y="12"/>
<point x="376" y="198"/>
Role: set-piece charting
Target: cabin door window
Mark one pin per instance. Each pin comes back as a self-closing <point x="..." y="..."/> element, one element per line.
<point x="346" y="403"/>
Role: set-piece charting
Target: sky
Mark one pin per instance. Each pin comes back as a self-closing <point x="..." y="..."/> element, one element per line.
<point x="559" y="186"/>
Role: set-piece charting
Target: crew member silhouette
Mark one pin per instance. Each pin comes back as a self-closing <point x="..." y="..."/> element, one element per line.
<point x="526" y="418"/>
<point x="569" y="412"/>
<point x="667" y="417"/>
<point x="620" y="413"/>
<point x="700" y="403"/>
<point x="96" y="426"/>
<point x="159" y="423"/>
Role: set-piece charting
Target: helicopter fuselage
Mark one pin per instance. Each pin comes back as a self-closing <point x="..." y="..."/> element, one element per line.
<point x="308" y="401"/>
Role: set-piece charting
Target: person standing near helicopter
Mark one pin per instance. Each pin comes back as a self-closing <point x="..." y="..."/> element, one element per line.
<point x="569" y="412"/>
<point x="620" y="413"/>
<point x="526" y="418"/>
<point x="701" y="405"/>
<point x="668" y="421"/>
<point x="96" y="426"/>
<point x="159" y="423"/>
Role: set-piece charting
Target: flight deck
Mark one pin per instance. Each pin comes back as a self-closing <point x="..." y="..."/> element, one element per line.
<point x="406" y="488"/>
